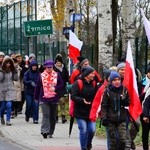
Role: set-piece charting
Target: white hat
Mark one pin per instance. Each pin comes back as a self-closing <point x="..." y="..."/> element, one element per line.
<point x="2" y="54"/>
<point x="32" y="56"/>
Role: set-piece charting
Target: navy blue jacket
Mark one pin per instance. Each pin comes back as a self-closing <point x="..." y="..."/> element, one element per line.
<point x="30" y="76"/>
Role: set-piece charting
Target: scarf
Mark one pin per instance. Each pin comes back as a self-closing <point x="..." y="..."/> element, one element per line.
<point x="48" y="81"/>
<point x="60" y="68"/>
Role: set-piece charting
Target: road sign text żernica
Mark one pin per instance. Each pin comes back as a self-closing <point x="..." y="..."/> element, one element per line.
<point x="41" y="28"/>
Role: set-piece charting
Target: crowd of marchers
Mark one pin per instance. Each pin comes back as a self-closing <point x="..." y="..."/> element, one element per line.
<point x="92" y="96"/>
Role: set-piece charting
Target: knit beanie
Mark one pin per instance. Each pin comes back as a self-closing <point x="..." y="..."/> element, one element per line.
<point x="82" y="60"/>
<point x="106" y="73"/>
<point x="32" y="56"/>
<point x="86" y="71"/>
<point x="113" y="75"/>
<point x="120" y="65"/>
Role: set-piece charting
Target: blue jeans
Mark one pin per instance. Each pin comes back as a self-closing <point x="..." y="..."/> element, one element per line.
<point x="6" y="105"/>
<point x="32" y="107"/>
<point x="87" y="130"/>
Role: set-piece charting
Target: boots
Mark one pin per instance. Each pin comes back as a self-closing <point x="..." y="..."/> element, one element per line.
<point x="56" y="119"/>
<point x="2" y="121"/>
<point x="63" y="119"/>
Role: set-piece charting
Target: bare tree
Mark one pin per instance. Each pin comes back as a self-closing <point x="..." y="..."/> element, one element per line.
<point x="105" y="33"/>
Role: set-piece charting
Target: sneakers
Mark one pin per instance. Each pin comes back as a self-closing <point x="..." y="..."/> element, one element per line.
<point x="35" y="122"/>
<point x="3" y="121"/>
<point x="8" y="123"/>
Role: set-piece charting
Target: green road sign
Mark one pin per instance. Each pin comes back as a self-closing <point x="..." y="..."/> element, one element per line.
<point x="38" y="27"/>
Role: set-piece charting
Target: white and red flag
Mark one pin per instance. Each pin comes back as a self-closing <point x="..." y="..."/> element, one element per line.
<point x="130" y="83"/>
<point x="74" y="47"/>
<point x="146" y="25"/>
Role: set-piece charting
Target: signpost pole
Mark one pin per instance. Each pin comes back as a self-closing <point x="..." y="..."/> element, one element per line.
<point x="50" y="51"/>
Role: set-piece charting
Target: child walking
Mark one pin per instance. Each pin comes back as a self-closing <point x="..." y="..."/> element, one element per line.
<point x="114" y="112"/>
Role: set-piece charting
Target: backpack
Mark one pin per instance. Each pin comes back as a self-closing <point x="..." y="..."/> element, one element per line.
<point x="71" y="102"/>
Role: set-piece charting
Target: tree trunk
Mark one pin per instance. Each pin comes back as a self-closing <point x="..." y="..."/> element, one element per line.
<point x="128" y="25"/>
<point x="105" y="57"/>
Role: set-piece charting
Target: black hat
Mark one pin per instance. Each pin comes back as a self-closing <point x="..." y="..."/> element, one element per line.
<point x="82" y="60"/>
<point x="87" y="70"/>
<point x="106" y="73"/>
<point x="148" y="69"/>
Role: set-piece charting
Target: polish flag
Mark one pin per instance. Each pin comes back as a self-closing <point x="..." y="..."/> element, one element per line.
<point x="74" y="47"/>
<point x="130" y="83"/>
<point x="146" y="25"/>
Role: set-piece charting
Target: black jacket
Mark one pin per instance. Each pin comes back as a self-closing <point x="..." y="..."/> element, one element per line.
<point x="113" y="105"/>
<point x="146" y="107"/>
<point x="88" y="91"/>
<point x="65" y="77"/>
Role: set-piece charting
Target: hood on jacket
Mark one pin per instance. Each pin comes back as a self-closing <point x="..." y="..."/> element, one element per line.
<point x="8" y="59"/>
<point x="33" y="63"/>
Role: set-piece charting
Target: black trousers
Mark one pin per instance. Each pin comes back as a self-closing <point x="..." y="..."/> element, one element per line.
<point x="145" y="134"/>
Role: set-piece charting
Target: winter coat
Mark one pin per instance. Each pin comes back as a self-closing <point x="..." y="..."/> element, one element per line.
<point x="65" y="77"/>
<point x="18" y="85"/>
<point x="113" y="105"/>
<point x="82" y="110"/>
<point x="31" y="77"/>
<point x="23" y="70"/>
<point x="146" y="107"/>
<point x="7" y="88"/>
<point x="39" y="93"/>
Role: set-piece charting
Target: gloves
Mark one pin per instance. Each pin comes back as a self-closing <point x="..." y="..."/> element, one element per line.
<point x="33" y="84"/>
<point x="105" y="122"/>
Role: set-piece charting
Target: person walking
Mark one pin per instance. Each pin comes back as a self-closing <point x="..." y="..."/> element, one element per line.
<point x="22" y="64"/>
<point x="47" y="90"/>
<point x="146" y="121"/>
<point x="83" y="99"/>
<point x="30" y="80"/>
<point x="77" y="72"/>
<point x="132" y="128"/>
<point x="62" y="70"/>
<point x="8" y="74"/>
<point x="17" y="84"/>
<point x="114" y="113"/>
<point x="144" y="97"/>
<point x="2" y="55"/>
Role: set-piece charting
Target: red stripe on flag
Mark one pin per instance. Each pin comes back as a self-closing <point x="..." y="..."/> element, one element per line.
<point x="73" y="53"/>
<point x="135" y="107"/>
